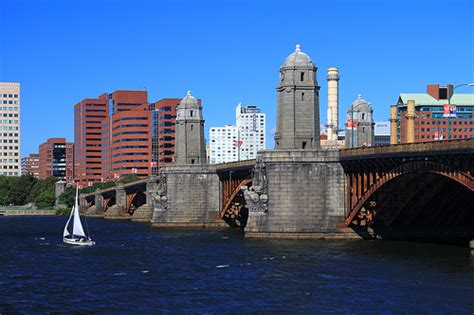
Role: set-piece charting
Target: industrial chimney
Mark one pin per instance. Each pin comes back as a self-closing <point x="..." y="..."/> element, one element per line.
<point x="333" y="105"/>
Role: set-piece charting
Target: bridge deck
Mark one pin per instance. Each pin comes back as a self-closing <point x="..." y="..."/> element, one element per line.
<point x="423" y="148"/>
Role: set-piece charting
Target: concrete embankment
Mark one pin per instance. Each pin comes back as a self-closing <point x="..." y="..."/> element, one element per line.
<point x="19" y="212"/>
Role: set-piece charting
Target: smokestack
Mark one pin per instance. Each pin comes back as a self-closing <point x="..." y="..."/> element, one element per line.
<point x="411" y="121"/>
<point x="333" y="105"/>
<point x="393" y="125"/>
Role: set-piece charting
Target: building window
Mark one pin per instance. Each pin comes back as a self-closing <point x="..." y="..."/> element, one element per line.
<point x="302" y="96"/>
<point x="302" y="76"/>
<point x="191" y="113"/>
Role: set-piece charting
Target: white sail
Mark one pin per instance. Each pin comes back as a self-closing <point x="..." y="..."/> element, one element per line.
<point x="66" y="231"/>
<point x="77" y="226"/>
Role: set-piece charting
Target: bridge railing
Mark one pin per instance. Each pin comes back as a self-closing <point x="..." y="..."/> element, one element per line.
<point x="127" y="185"/>
<point x="433" y="146"/>
<point x="233" y="165"/>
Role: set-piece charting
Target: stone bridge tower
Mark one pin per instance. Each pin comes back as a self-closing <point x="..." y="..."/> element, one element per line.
<point x="298" y="104"/>
<point x="190" y="147"/>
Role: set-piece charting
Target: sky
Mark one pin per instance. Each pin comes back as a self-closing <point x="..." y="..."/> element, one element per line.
<point x="225" y="52"/>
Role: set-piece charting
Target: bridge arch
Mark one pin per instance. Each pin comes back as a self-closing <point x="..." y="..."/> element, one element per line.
<point x="234" y="211"/>
<point x="109" y="202"/>
<point x="135" y="200"/>
<point x="426" y="167"/>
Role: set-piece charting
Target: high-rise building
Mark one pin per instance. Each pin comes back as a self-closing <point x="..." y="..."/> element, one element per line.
<point x="223" y="144"/>
<point x="126" y="144"/>
<point x="250" y="122"/>
<point x="30" y="165"/>
<point x="113" y="137"/>
<point x="56" y="158"/>
<point x="359" y="124"/>
<point x="131" y="142"/>
<point x="10" y="164"/>
<point x="438" y="114"/>
<point x="163" y="113"/>
<point x="89" y="116"/>
<point x="381" y="133"/>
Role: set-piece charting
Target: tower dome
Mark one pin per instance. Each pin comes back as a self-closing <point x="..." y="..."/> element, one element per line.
<point x="298" y="58"/>
<point x="188" y="101"/>
<point x="360" y="104"/>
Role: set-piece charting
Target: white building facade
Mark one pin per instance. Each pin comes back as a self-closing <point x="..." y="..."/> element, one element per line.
<point x="10" y="163"/>
<point x="223" y="144"/>
<point x="241" y="142"/>
<point x="251" y="124"/>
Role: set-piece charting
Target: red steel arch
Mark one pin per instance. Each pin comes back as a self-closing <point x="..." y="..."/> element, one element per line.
<point x="230" y="192"/>
<point x="462" y="178"/>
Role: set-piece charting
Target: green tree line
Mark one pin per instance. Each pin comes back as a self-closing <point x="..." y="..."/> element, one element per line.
<point x="17" y="191"/>
<point x="21" y="190"/>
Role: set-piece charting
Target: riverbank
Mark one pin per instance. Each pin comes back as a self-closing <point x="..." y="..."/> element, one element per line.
<point x="26" y="212"/>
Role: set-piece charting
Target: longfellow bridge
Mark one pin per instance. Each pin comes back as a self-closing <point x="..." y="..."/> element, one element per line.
<point x="413" y="191"/>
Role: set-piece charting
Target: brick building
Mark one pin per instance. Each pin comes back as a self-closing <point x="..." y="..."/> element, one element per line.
<point x="126" y="141"/>
<point x="56" y="158"/>
<point x="433" y="120"/>
<point x="89" y="115"/>
<point x="112" y="137"/>
<point x="30" y="165"/>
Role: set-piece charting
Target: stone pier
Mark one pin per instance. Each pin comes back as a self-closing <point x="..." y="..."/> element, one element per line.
<point x="297" y="194"/>
<point x="118" y="211"/>
<point x="187" y="196"/>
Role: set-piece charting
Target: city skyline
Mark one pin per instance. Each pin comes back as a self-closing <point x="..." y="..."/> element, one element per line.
<point x="224" y="53"/>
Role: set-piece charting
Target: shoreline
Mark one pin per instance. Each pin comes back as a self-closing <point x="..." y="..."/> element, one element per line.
<point x="31" y="213"/>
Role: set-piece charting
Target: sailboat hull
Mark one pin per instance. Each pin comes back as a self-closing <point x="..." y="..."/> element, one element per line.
<point x="78" y="242"/>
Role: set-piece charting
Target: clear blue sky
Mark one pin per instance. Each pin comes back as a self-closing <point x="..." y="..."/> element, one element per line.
<point x="225" y="52"/>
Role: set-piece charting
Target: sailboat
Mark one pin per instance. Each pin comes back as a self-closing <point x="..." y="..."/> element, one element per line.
<point x="78" y="236"/>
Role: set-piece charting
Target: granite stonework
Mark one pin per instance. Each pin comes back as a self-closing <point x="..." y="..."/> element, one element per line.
<point x="298" y="104"/>
<point x="303" y="197"/>
<point x="189" y="196"/>
<point x="144" y="213"/>
<point x="119" y="210"/>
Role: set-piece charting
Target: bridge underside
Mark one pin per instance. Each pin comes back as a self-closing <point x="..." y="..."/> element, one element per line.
<point x="421" y="207"/>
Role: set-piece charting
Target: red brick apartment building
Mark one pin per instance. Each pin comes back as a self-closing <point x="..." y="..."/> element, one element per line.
<point x="56" y="158"/>
<point x="430" y="120"/>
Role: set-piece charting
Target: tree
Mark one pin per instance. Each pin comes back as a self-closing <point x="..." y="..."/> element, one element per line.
<point x="68" y="196"/>
<point x="4" y="188"/>
<point x="45" y="199"/>
<point x="40" y="186"/>
<point x="130" y="178"/>
<point x="20" y="188"/>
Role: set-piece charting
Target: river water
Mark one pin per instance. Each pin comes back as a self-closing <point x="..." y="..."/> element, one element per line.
<point x="135" y="267"/>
